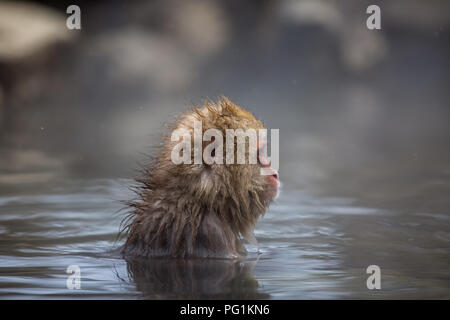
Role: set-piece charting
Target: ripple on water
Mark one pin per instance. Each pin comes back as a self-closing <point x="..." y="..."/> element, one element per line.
<point x="309" y="247"/>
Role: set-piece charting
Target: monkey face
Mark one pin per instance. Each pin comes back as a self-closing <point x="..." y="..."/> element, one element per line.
<point x="272" y="186"/>
<point x="272" y="182"/>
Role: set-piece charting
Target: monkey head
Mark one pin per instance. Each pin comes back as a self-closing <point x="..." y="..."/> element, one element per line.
<point x="237" y="192"/>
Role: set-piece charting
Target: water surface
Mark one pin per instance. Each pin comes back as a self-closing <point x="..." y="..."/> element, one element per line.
<point x="310" y="247"/>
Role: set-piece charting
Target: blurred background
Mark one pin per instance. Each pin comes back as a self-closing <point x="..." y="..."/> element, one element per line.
<point x="359" y="111"/>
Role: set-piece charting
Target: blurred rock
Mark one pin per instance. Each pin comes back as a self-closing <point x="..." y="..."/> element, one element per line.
<point x="149" y="58"/>
<point x="360" y="48"/>
<point x="31" y="36"/>
<point x="27" y="29"/>
<point x="200" y="25"/>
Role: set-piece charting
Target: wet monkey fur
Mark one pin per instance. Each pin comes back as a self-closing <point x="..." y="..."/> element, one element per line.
<point x="199" y="210"/>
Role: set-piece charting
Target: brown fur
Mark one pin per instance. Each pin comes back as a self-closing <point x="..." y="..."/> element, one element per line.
<point x="198" y="210"/>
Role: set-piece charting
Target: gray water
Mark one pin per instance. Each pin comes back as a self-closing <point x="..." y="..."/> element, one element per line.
<point x="310" y="247"/>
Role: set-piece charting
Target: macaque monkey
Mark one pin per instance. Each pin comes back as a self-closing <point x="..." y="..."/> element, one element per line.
<point x="200" y="210"/>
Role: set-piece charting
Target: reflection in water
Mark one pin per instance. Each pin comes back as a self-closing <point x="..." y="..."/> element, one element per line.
<point x="194" y="278"/>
